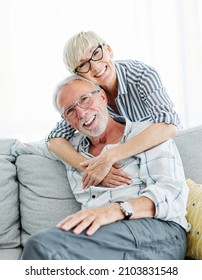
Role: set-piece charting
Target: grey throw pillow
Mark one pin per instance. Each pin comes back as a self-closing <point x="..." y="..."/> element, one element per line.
<point x="45" y="195"/>
<point x="9" y="205"/>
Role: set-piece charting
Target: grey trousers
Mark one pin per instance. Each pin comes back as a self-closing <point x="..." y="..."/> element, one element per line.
<point x="142" y="239"/>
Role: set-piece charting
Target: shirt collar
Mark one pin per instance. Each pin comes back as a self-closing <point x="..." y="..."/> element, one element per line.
<point x="122" y="81"/>
<point x="85" y="143"/>
<point x="128" y="127"/>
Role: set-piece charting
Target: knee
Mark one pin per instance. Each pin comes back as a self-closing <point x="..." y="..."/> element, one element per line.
<point x="37" y="247"/>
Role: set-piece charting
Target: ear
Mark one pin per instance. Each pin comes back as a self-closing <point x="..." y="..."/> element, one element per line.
<point x="109" y="50"/>
<point x="103" y="96"/>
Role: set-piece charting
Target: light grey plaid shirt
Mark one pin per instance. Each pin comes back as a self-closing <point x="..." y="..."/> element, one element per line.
<point x="157" y="174"/>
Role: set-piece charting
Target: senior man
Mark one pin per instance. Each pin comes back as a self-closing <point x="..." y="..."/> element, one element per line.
<point x="142" y="219"/>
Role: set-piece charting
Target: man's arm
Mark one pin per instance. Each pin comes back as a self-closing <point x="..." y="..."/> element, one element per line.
<point x="162" y="170"/>
<point x="164" y="197"/>
<point x="92" y="219"/>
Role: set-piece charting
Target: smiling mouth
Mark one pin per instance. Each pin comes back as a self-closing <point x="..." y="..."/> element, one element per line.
<point x="89" y="121"/>
<point x="98" y="75"/>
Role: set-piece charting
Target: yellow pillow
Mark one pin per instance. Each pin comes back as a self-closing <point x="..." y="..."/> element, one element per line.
<point x="194" y="217"/>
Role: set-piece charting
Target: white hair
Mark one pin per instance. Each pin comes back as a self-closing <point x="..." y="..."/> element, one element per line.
<point x="67" y="81"/>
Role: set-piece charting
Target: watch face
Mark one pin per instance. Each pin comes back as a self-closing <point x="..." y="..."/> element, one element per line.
<point x="127" y="209"/>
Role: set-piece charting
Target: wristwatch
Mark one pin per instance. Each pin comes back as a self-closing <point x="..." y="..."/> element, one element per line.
<point x="126" y="208"/>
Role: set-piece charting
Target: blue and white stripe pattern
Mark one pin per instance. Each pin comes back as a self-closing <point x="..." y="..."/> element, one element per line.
<point x="141" y="96"/>
<point x="157" y="174"/>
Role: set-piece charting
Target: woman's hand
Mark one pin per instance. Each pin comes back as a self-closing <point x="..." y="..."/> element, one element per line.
<point x="91" y="219"/>
<point x="116" y="177"/>
<point x="100" y="170"/>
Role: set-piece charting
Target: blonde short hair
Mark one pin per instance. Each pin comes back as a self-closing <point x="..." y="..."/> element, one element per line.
<point x="76" y="46"/>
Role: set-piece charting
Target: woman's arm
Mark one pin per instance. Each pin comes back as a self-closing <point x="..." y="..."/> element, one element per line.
<point x="97" y="168"/>
<point x="64" y="150"/>
<point x="147" y="139"/>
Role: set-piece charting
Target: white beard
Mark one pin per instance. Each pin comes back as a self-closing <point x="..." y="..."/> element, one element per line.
<point x="95" y="130"/>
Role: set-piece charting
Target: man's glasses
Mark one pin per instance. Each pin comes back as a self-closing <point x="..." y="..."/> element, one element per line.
<point x="84" y="102"/>
<point x="85" y="66"/>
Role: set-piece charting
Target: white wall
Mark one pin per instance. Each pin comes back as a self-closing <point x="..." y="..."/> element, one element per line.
<point x="33" y="34"/>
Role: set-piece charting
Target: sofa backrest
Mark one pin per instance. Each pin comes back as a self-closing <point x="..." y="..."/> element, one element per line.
<point x="189" y="143"/>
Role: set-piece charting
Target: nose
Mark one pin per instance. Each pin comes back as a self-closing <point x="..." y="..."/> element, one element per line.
<point x="80" y="112"/>
<point x="94" y="65"/>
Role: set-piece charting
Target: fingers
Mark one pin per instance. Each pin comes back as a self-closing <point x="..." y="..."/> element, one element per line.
<point x="91" y="180"/>
<point x="98" y="172"/>
<point x="120" y="173"/>
<point x="78" y="222"/>
<point x="117" y="165"/>
<point x="90" y="220"/>
<point x="115" y="183"/>
<point x="86" y="219"/>
<point x="97" y="169"/>
<point x="86" y="223"/>
<point x="85" y="163"/>
<point x="62" y="223"/>
<point x="95" y="176"/>
<point x="118" y="183"/>
<point x="93" y="228"/>
<point x="115" y="178"/>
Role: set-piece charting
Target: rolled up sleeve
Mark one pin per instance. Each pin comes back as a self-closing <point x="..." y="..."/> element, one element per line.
<point x="62" y="130"/>
<point x="158" y="102"/>
<point x="162" y="171"/>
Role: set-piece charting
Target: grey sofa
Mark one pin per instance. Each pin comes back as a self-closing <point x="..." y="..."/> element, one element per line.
<point x="34" y="190"/>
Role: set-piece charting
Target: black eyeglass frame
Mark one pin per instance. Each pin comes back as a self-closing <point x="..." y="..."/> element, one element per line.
<point x="72" y="107"/>
<point x="89" y="60"/>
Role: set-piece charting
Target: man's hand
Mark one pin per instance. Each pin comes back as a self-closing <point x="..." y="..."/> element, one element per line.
<point x="101" y="170"/>
<point x="91" y="219"/>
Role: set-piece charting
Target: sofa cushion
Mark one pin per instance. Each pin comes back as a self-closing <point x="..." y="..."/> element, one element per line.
<point x="190" y="148"/>
<point x="9" y="205"/>
<point x="45" y="195"/>
<point x="194" y="217"/>
<point x="11" y="254"/>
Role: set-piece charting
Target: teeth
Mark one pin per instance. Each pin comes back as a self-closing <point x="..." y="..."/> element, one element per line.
<point x="89" y="121"/>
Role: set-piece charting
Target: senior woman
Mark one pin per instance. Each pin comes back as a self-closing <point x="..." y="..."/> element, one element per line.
<point x="133" y="89"/>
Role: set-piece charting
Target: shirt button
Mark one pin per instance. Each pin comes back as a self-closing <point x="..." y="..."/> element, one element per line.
<point x="93" y="196"/>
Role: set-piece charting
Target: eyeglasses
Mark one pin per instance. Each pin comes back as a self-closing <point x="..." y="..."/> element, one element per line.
<point x="85" y="66"/>
<point x="84" y="102"/>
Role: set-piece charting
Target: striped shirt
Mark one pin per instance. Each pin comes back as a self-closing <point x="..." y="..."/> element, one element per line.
<point x="141" y="96"/>
<point x="157" y="174"/>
